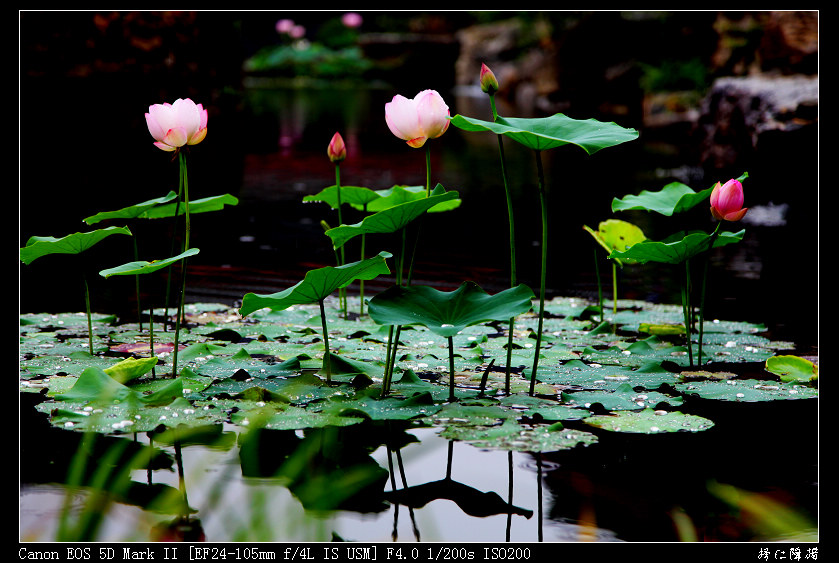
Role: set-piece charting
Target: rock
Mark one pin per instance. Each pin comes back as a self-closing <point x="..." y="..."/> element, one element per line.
<point x="738" y="110"/>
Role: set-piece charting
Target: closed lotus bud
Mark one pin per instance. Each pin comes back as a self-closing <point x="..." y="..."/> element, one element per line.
<point x="337" y="150"/>
<point x="727" y="201"/>
<point x="489" y="83"/>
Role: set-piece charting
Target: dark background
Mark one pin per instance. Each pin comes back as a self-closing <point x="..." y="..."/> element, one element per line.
<point x="87" y="78"/>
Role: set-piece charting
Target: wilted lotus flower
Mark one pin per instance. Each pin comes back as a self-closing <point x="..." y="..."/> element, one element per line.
<point x="337" y="150"/>
<point x="417" y="120"/>
<point x="727" y="201"/>
<point x="174" y="125"/>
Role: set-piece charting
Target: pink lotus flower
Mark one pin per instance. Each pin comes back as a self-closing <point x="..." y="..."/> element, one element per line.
<point x="337" y="150"/>
<point x="417" y="120"/>
<point x="174" y="125"/>
<point x="351" y="19"/>
<point x="727" y="201"/>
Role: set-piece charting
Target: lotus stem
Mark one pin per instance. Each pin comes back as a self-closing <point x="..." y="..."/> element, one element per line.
<point x="511" y="223"/>
<point x="614" y="288"/>
<point x="327" y="360"/>
<point x="543" y="203"/>
<point x="342" y="292"/>
<point x="89" y="318"/>
<point x="181" y="305"/>
<point x="137" y="287"/>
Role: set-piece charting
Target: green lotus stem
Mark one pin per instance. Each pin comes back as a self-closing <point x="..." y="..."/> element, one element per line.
<point x="702" y="291"/>
<point x="427" y="170"/>
<point x="185" y="182"/>
<point x="686" y="311"/>
<point x="327" y="361"/>
<point x="172" y="252"/>
<point x="599" y="286"/>
<point x="342" y="292"/>
<point x="451" y="369"/>
<point x="89" y="318"/>
<point x="137" y="286"/>
<point x="614" y="288"/>
<point x="543" y="203"/>
<point x="510" y="221"/>
<point x="151" y="338"/>
<point x="361" y="282"/>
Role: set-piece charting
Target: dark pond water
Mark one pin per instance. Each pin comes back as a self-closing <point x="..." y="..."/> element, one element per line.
<point x="271" y="238"/>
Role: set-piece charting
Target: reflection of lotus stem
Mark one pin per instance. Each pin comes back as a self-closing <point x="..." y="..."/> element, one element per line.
<point x="542" y="201"/>
<point x="327" y="360"/>
<point x="510" y="221"/>
<point x="182" y="161"/>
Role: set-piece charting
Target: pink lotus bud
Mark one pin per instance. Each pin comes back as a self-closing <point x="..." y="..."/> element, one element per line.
<point x="337" y="150"/>
<point x="727" y="201"/>
<point x="417" y="120"/>
<point x="297" y="31"/>
<point x="174" y="125"/>
<point x="489" y="83"/>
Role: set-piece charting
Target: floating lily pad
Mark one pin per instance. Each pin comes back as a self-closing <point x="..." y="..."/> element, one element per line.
<point x="748" y="390"/>
<point x="649" y="421"/>
<point x="515" y="437"/>
<point x="793" y="369"/>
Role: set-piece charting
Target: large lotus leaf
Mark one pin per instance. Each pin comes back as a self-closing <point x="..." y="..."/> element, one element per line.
<point x="203" y="205"/>
<point x="70" y="244"/>
<point x="355" y="196"/>
<point x="673" y="198"/>
<point x="551" y="132"/>
<point x="142" y="267"/>
<point x="398" y="194"/>
<point x="317" y="284"/>
<point x="132" y="211"/>
<point x="650" y="421"/>
<point x="391" y="219"/>
<point x="676" y="248"/>
<point x="445" y="313"/>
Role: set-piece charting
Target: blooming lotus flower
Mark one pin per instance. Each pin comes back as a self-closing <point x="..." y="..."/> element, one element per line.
<point x="727" y="201"/>
<point x="337" y="150"/>
<point x="174" y="125"/>
<point x="489" y="84"/>
<point x="417" y="120"/>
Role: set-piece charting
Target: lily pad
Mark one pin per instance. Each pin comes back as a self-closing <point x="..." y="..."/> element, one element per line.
<point x="392" y="219"/>
<point x="446" y="313"/>
<point x="649" y="421"/>
<point x="132" y="211"/>
<point x="317" y="284"/>
<point x="748" y="390"/>
<point x="551" y="132"/>
<point x="75" y="243"/>
<point x="142" y="267"/>
<point x="677" y="248"/>
<point x="675" y="197"/>
<point x="515" y="437"/>
<point x="793" y="369"/>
